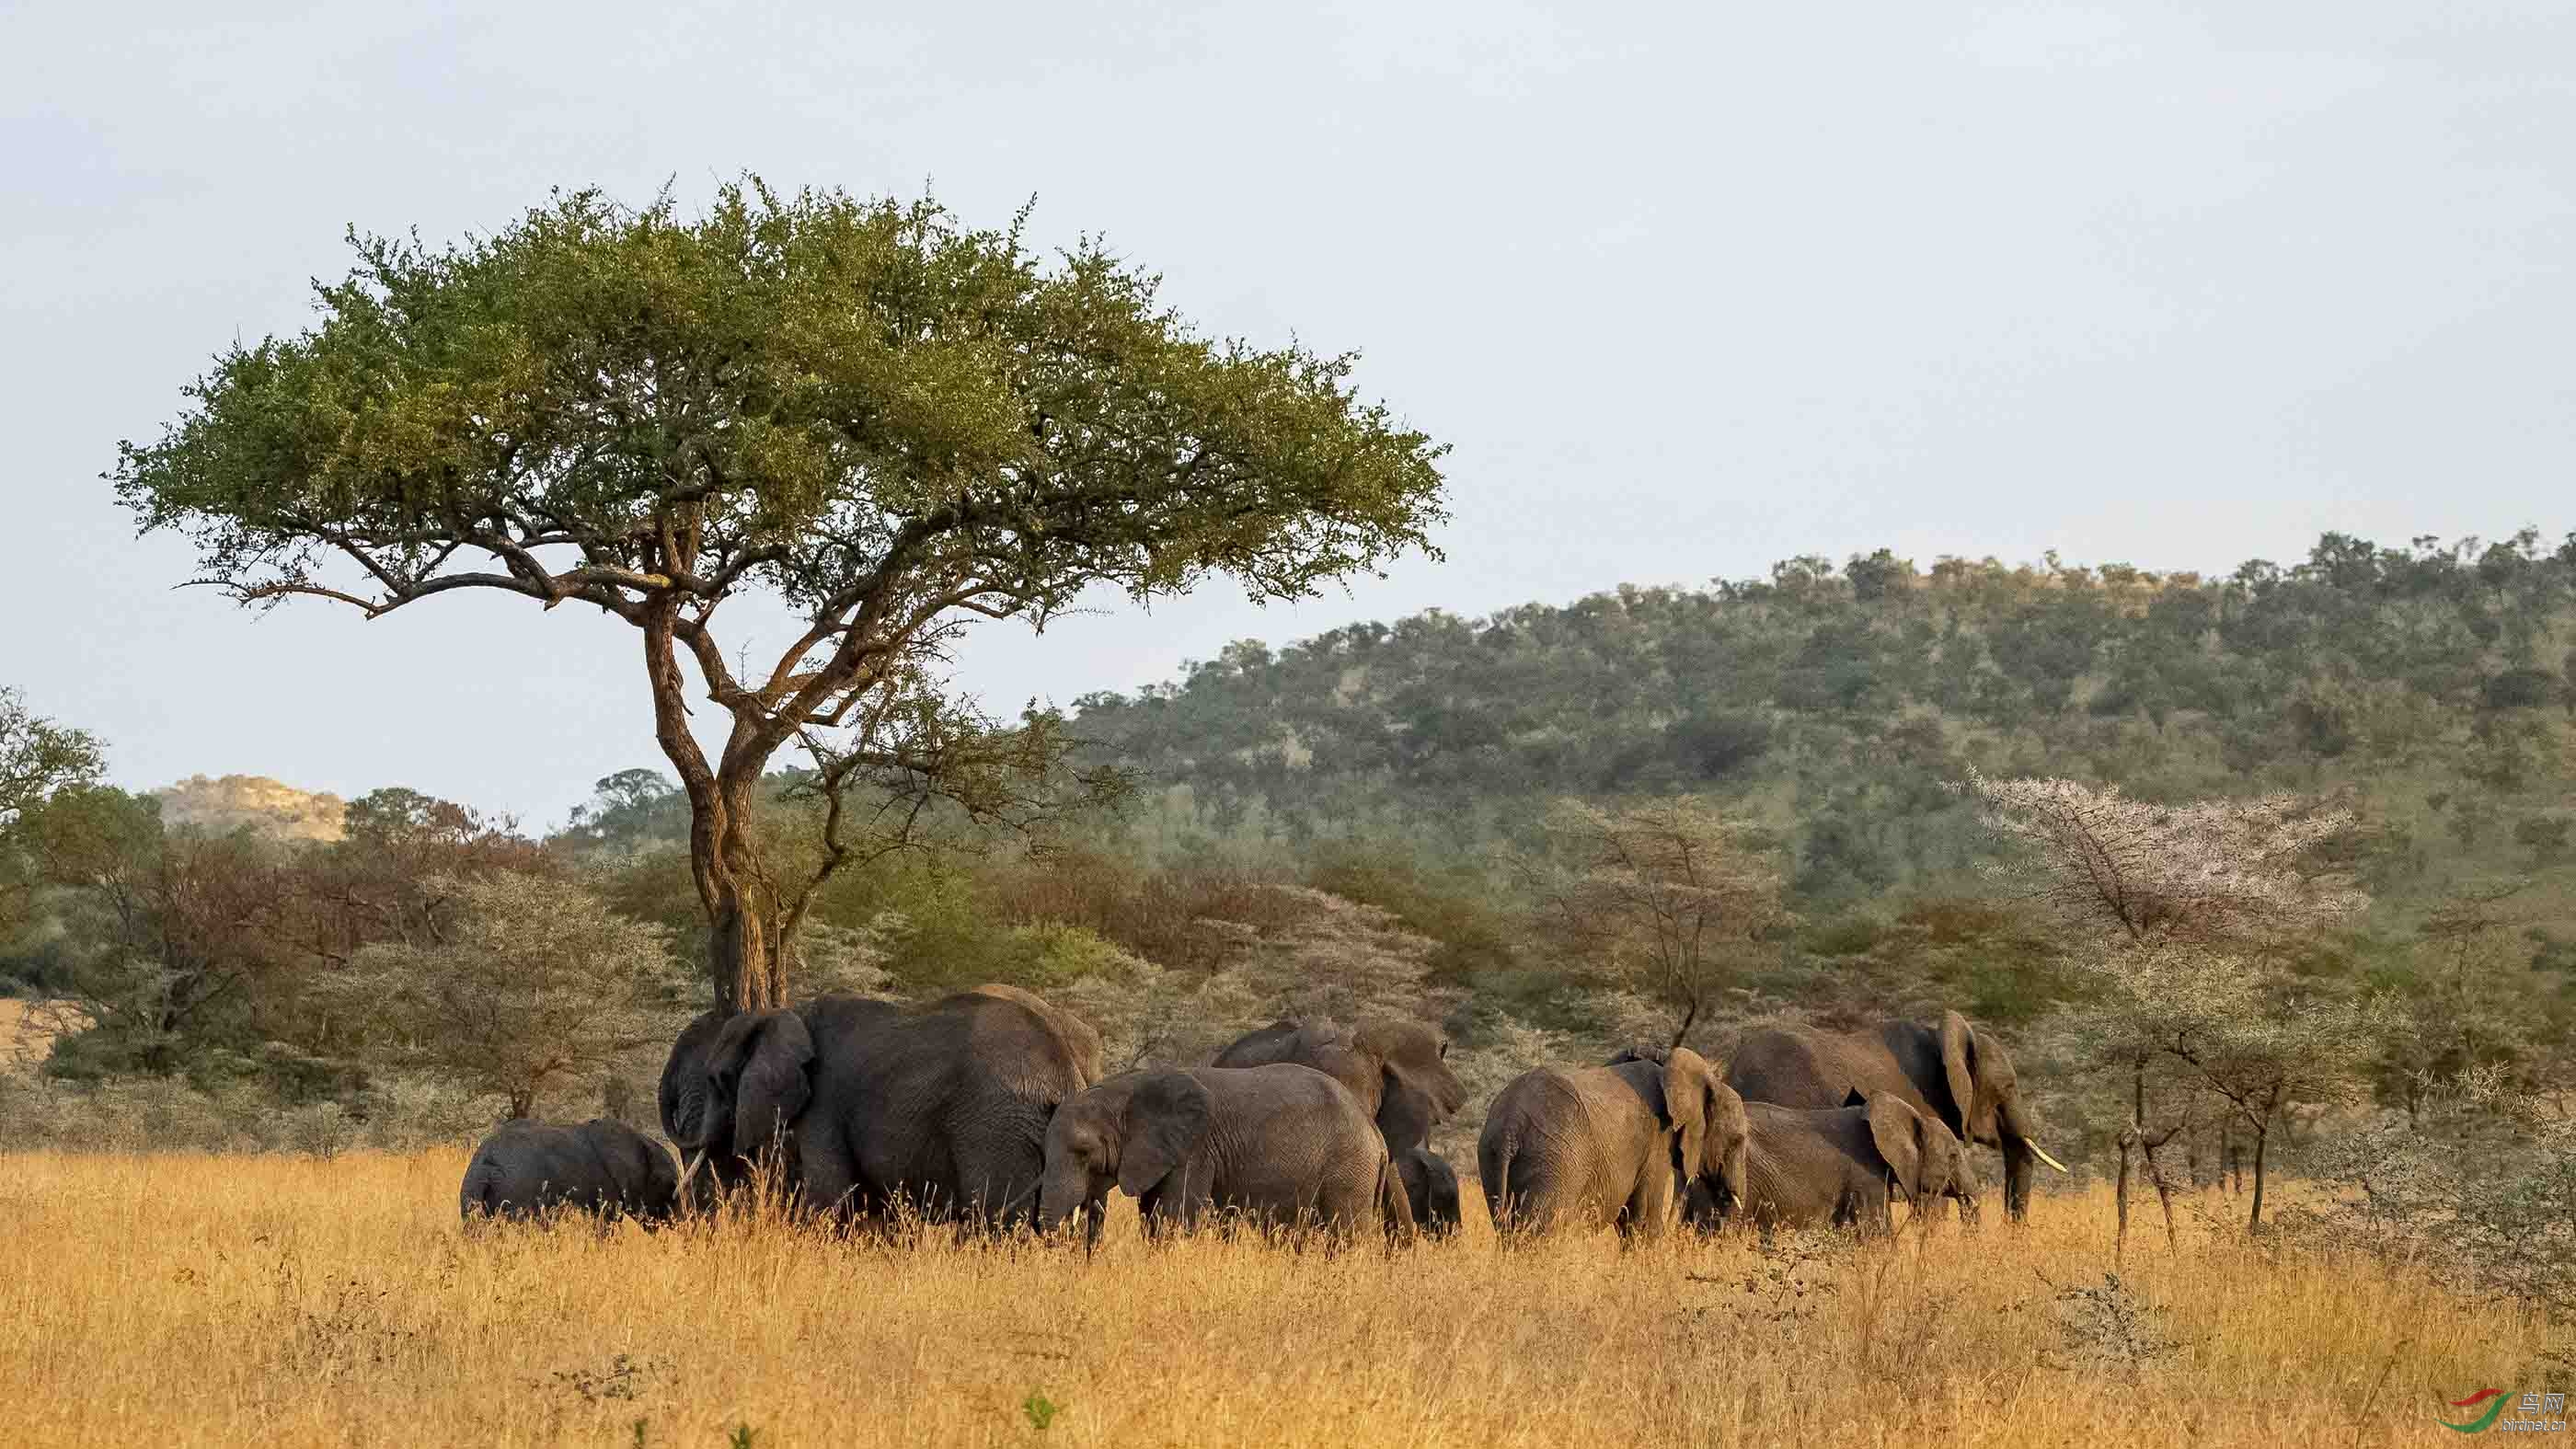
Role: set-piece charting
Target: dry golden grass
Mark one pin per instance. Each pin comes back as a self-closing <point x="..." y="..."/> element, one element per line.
<point x="27" y="1032"/>
<point x="175" y="1300"/>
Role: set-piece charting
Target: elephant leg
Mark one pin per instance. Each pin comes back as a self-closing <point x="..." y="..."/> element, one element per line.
<point x="997" y="1181"/>
<point x="831" y="1174"/>
<point x="1648" y="1205"/>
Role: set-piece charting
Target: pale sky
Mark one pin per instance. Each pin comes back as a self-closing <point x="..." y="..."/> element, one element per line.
<point x="1691" y="288"/>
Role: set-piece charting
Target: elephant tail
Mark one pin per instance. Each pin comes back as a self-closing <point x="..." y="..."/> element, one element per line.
<point x="1494" y="1171"/>
<point x="1395" y="1209"/>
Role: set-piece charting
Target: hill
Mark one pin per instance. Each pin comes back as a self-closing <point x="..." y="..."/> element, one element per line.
<point x="2430" y="686"/>
<point x="269" y="807"/>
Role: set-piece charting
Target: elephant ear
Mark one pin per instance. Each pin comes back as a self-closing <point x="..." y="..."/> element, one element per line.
<point x="683" y="1094"/>
<point x="1415" y="1061"/>
<point x="1687" y="1096"/>
<point x="1730" y="1127"/>
<point x="1167" y="1118"/>
<point x="1943" y="1160"/>
<point x="760" y="1061"/>
<point x="1959" y="1064"/>
<point x="1898" y="1131"/>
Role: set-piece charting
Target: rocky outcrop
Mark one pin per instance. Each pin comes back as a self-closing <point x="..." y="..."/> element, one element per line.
<point x="267" y="806"/>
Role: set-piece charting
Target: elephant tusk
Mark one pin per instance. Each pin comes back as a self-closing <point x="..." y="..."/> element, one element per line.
<point x="2042" y="1154"/>
<point x="689" y="1183"/>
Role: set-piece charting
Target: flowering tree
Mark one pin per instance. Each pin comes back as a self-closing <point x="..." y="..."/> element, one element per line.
<point x="2191" y="913"/>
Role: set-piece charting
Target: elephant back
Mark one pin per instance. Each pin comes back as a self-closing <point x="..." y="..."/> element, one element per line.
<point x="1812" y="1070"/>
<point x="1075" y="1040"/>
<point x="1026" y="1046"/>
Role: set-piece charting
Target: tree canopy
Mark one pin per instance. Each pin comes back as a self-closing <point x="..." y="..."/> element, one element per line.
<point x="890" y="421"/>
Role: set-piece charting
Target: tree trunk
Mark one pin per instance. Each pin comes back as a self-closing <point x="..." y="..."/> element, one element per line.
<point x="2262" y="1134"/>
<point x="2164" y="1189"/>
<point x="1688" y="1017"/>
<point x="734" y="885"/>
<point x="2120" y="1242"/>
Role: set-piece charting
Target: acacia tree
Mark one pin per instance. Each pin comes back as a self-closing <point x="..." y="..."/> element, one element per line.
<point x="887" y="421"/>
<point x="1664" y="894"/>
<point x="2191" y="913"/>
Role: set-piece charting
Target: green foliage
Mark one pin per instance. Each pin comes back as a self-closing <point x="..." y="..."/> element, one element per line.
<point x="816" y="366"/>
<point x="38" y="757"/>
<point x="629" y="810"/>
<point x="1041" y="1410"/>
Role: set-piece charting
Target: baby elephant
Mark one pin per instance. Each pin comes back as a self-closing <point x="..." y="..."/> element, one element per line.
<point x="1431" y="1188"/>
<point x="1284" y="1144"/>
<point x="602" y="1167"/>
<point x="1843" y="1165"/>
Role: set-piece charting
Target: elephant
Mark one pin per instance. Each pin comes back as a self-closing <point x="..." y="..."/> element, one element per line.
<point x="1952" y="1073"/>
<point x="871" y="1106"/>
<point x="1611" y="1143"/>
<point x="1843" y="1166"/>
<point x="1284" y="1144"/>
<point x="602" y="1167"/>
<point x="1431" y="1190"/>
<point x="1397" y="1068"/>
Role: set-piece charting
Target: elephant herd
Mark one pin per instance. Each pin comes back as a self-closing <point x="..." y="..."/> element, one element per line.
<point x="991" y="1108"/>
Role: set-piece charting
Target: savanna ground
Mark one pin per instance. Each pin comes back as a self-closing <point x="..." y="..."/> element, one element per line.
<point x="181" y="1299"/>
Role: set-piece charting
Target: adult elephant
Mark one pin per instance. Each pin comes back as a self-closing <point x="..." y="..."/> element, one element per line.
<point x="1843" y="1166"/>
<point x="1283" y="1145"/>
<point x="869" y="1104"/>
<point x="1950" y="1072"/>
<point x="1398" y="1069"/>
<point x="1610" y="1143"/>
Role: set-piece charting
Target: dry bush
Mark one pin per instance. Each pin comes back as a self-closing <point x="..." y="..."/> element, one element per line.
<point x="1310" y="954"/>
<point x="184" y="1300"/>
<point x="1185" y="919"/>
<point x="2476" y="1186"/>
<point x="153" y="1114"/>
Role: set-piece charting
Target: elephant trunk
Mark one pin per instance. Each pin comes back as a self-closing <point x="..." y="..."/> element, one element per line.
<point x="2019" y="1160"/>
<point x="1060" y="1195"/>
<point x="2019" y="1138"/>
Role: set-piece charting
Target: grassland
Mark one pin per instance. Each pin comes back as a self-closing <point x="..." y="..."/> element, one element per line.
<point x="182" y="1300"/>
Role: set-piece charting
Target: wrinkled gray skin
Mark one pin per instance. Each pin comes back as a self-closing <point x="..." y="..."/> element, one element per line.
<point x="1431" y="1189"/>
<point x="603" y="1167"/>
<point x="869" y="1104"/>
<point x="1284" y="1145"/>
<point x="1610" y="1143"/>
<point x="1843" y="1166"/>
<point x="1959" y="1077"/>
<point x="1397" y="1068"/>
